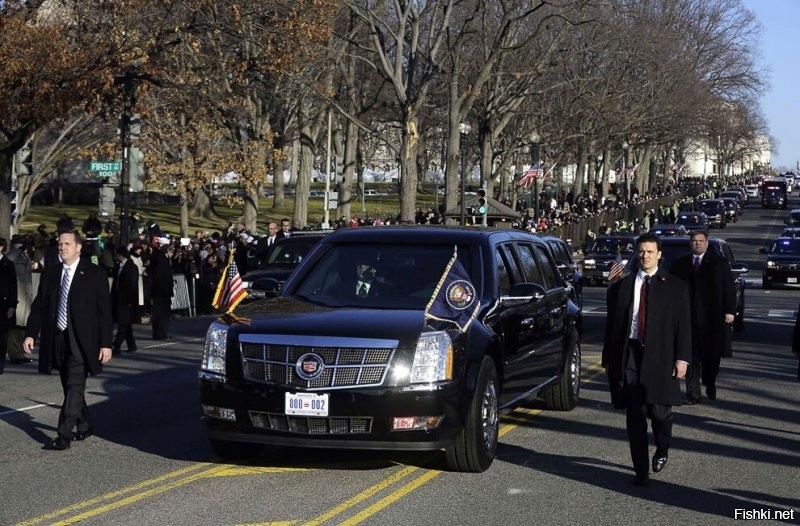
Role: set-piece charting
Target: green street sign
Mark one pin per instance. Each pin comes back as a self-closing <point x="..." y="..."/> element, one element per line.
<point x="105" y="168"/>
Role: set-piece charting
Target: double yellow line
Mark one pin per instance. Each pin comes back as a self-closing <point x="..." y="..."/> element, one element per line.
<point x="169" y="481"/>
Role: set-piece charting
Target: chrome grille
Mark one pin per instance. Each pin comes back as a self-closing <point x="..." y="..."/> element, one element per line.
<point x="342" y="366"/>
<point x="311" y="425"/>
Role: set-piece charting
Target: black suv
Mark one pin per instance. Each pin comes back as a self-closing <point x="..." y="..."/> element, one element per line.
<point x="604" y="252"/>
<point x="675" y="247"/>
<point x="714" y="210"/>
<point x="783" y="263"/>
<point x="693" y="221"/>
<point x="269" y="277"/>
<point x="456" y="325"/>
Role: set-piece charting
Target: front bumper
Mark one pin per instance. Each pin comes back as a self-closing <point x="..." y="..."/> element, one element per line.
<point x="357" y="418"/>
<point x="787" y="277"/>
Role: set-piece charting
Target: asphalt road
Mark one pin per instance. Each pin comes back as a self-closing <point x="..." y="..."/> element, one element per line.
<point x="149" y="462"/>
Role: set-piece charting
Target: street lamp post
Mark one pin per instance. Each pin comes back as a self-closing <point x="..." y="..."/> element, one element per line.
<point x="535" y="138"/>
<point x="464" y="130"/>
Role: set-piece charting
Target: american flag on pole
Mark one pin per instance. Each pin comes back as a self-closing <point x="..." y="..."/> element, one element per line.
<point x="230" y="290"/>
<point x="529" y="176"/>
<point x="615" y="272"/>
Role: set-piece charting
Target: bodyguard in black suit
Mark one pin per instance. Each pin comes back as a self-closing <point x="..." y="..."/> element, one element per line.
<point x="72" y="312"/>
<point x="8" y="300"/>
<point x="712" y="295"/>
<point x="646" y="350"/>
<point x="125" y="299"/>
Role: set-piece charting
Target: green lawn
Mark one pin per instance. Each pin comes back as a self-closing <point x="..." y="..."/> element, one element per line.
<point x="166" y="215"/>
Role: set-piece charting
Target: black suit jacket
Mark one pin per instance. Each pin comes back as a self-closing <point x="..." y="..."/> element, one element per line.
<point x="89" y="311"/>
<point x="668" y="337"/>
<point x="713" y="294"/>
<point x="8" y="293"/>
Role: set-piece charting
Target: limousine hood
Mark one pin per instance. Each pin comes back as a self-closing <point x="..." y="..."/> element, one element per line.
<point x="288" y="316"/>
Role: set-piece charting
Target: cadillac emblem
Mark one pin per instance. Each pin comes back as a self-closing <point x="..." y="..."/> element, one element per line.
<point x="460" y="294"/>
<point x="309" y="366"/>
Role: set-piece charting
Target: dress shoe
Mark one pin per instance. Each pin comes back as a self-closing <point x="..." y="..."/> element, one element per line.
<point x="59" y="444"/>
<point x="691" y="401"/>
<point x="711" y="392"/>
<point x="82" y="435"/>
<point x="20" y="361"/>
<point x="641" y="480"/>
<point x="659" y="461"/>
<point x="131" y="350"/>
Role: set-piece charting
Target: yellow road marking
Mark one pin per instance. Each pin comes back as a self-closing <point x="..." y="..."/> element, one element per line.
<point x="238" y="471"/>
<point x="114" y="494"/>
<point x="349" y="503"/>
<point x="391" y="498"/>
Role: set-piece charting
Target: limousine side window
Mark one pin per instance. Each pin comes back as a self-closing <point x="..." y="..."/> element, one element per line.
<point x="552" y="279"/>
<point x="529" y="264"/>
<point x="503" y="277"/>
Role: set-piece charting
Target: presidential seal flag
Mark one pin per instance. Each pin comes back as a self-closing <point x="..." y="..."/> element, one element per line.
<point x="455" y="299"/>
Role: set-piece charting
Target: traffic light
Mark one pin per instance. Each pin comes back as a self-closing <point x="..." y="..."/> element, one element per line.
<point x="483" y="205"/>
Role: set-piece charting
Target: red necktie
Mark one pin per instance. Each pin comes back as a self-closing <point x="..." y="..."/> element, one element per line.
<point x="641" y="319"/>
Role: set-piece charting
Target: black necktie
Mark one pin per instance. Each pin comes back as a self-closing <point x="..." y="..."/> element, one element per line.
<point x="641" y="320"/>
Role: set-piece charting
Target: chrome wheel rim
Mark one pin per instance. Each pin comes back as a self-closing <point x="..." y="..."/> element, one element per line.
<point x="489" y="416"/>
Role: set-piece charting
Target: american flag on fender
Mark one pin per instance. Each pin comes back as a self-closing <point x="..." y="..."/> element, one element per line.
<point x="615" y="272"/>
<point x="536" y="172"/>
<point x="230" y="290"/>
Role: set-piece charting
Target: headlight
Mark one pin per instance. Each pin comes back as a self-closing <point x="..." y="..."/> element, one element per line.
<point x="588" y="263"/>
<point x="771" y="264"/>
<point x="214" y="349"/>
<point x="433" y="358"/>
<point x="246" y="284"/>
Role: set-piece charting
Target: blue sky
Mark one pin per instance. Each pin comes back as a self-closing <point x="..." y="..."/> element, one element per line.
<point x="780" y="52"/>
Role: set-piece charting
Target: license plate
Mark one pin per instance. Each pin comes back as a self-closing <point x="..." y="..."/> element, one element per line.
<point x="791" y="280"/>
<point x="306" y="404"/>
<point x="605" y="274"/>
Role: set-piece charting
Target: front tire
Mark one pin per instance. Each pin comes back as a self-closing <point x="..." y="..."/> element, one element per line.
<point x="564" y="394"/>
<point x="476" y="445"/>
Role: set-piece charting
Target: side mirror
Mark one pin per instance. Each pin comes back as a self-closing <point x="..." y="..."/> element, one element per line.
<point x="269" y="287"/>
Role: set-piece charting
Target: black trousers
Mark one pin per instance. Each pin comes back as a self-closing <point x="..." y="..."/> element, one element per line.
<point x="124" y="333"/>
<point x="3" y="350"/>
<point x="72" y="371"/>
<point x="704" y="366"/>
<point x="159" y="317"/>
<point x="638" y="411"/>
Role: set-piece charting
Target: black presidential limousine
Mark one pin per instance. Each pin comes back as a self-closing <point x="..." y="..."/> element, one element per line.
<point x="454" y="326"/>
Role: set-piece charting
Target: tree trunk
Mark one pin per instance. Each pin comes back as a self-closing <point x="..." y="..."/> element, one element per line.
<point x="452" y="179"/>
<point x="295" y="161"/>
<point x="408" y="168"/>
<point x="350" y="154"/>
<point x="307" y="152"/>
<point x="606" y="170"/>
<point x="580" y="170"/>
<point x="278" y="186"/>
<point x="184" y="213"/>
<point x="202" y="206"/>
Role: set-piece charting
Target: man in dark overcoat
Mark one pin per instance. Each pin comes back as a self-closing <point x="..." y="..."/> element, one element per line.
<point x="72" y="313"/>
<point x="712" y="297"/>
<point x="125" y="299"/>
<point x="8" y="300"/>
<point x="646" y="350"/>
<point x="160" y="272"/>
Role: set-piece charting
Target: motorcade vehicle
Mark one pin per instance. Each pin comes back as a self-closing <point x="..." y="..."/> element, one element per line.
<point x="793" y="219"/>
<point x="782" y="267"/>
<point x="602" y="255"/>
<point x="669" y="230"/>
<point x="270" y="275"/>
<point x="569" y="269"/>
<point x="738" y="196"/>
<point x="774" y="193"/>
<point x="458" y="325"/>
<point x="792" y="231"/>
<point x="714" y="210"/>
<point x="693" y="221"/>
<point x="752" y="190"/>
<point x="674" y="247"/>
<point x="732" y="210"/>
